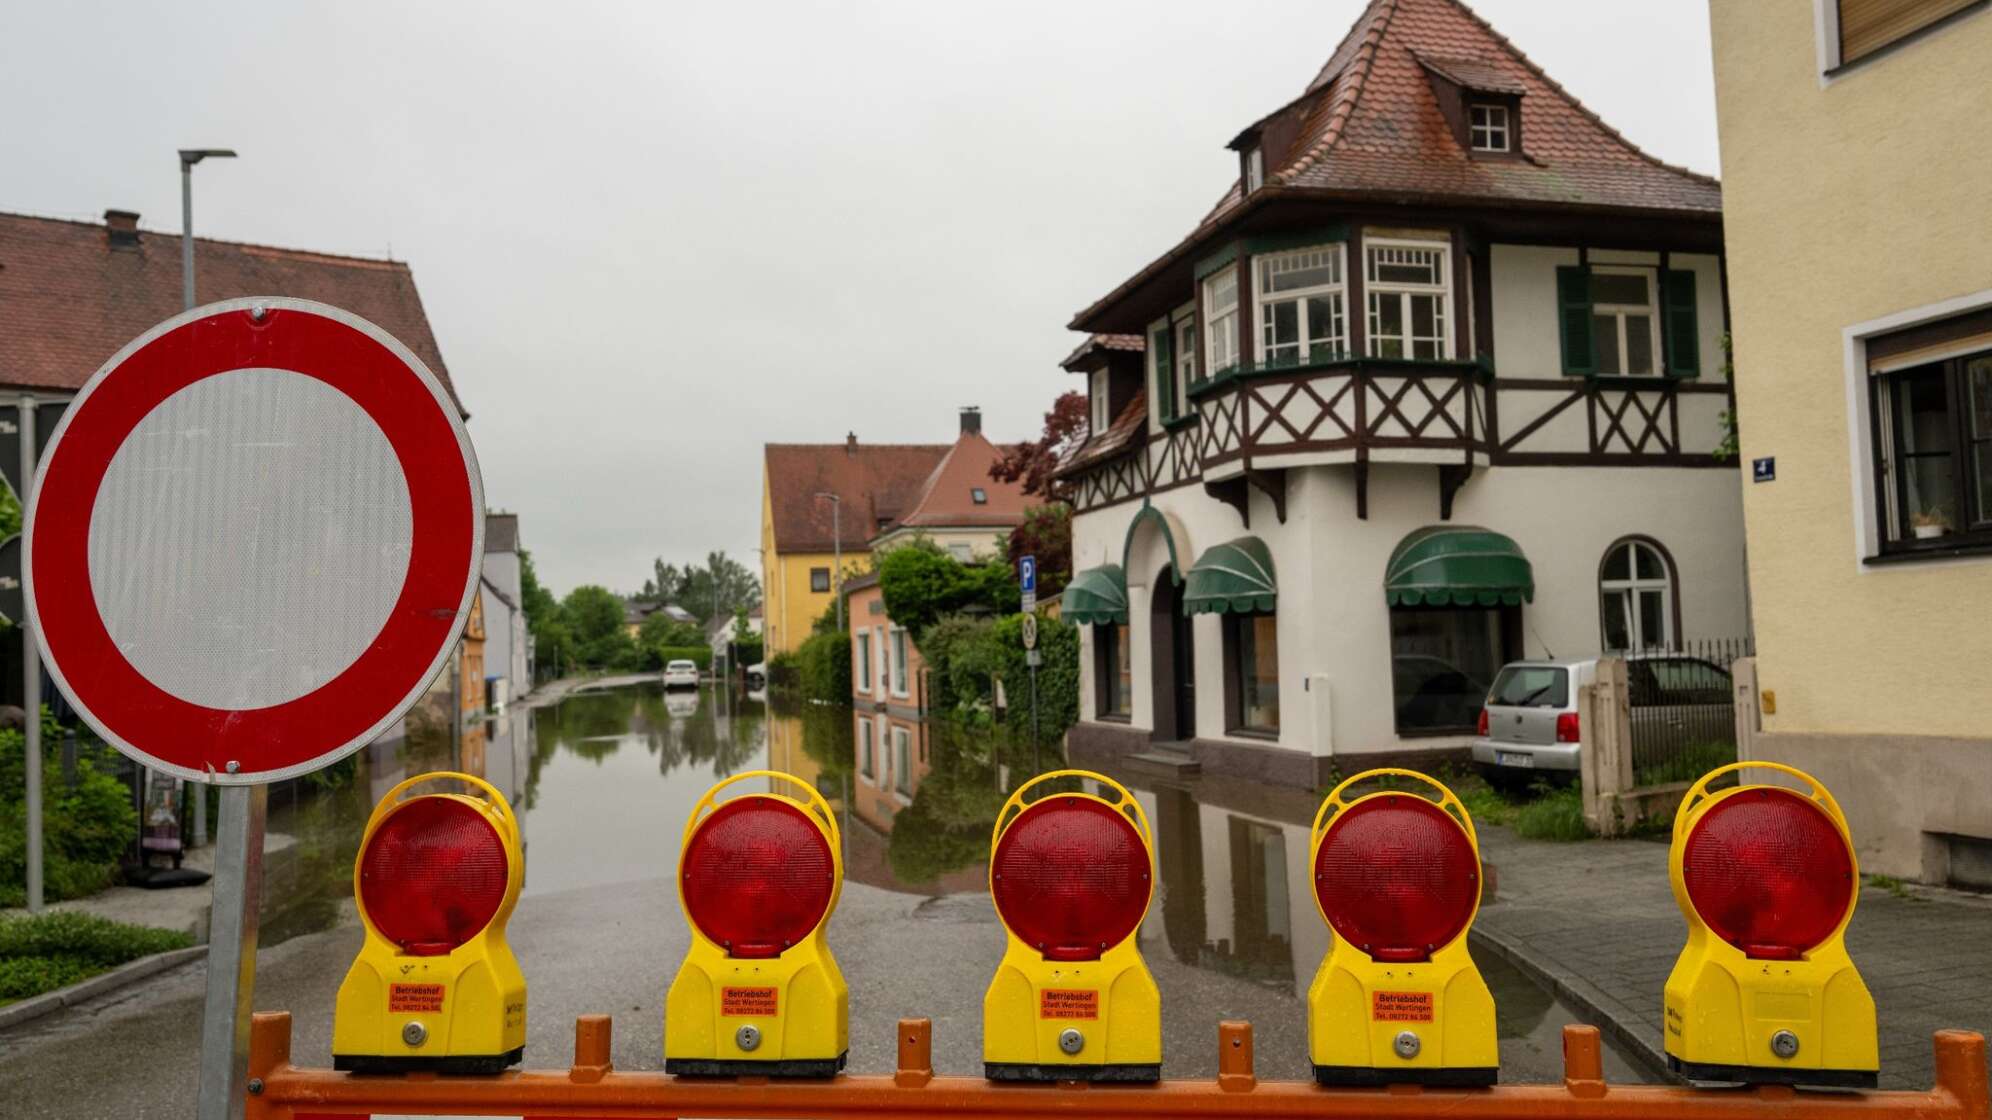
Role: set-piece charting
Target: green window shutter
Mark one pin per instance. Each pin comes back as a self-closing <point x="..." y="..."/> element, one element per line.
<point x="1573" y="307"/>
<point x="1165" y="380"/>
<point x="1683" y="333"/>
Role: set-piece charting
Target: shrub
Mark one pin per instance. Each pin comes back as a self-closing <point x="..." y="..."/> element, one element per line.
<point x="823" y="667"/>
<point x="1555" y="814"/>
<point x="966" y="656"/>
<point x="921" y="585"/>
<point x="43" y="952"/>
<point x="656" y="657"/>
<point x="782" y="671"/>
<point x="87" y="824"/>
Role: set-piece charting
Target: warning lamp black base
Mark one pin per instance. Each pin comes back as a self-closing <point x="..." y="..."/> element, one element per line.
<point x="450" y="1063"/>
<point x="1031" y="1071"/>
<point x="794" y="1067"/>
<point x="1442" y="1077"/>
<point x="1774" y="1075"/>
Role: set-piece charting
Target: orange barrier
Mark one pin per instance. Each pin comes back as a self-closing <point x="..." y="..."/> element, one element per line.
<point x="593" y="1088"/>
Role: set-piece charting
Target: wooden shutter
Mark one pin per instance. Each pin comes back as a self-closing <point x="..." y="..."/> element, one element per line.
<point x="1867" y="26"/>
<point x="1165" y="373"/>
<point x="1683" y="333"/>
<point x="1573" y="305"/>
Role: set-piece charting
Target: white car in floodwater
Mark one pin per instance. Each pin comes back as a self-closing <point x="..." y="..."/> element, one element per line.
<point x="681" y="674"/>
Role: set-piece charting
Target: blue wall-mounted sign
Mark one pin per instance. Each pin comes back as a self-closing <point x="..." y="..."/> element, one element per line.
<point x="1764" y="469"/>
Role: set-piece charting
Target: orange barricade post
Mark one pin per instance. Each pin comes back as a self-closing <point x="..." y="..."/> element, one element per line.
<point x="593" y="1088"/>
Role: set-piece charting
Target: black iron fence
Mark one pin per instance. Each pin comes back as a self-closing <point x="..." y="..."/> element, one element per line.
<point x="1683" y="709"/>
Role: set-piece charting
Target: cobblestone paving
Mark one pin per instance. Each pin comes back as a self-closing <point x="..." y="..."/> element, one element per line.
<point x="1600" y="918"/>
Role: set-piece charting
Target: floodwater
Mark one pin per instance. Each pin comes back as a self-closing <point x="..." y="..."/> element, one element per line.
<point x="604" y="780"/>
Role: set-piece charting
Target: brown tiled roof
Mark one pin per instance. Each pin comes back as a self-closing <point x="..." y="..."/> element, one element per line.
<point x="1119" y="436"/>
<point x="947" y="499"/>
<point x="877" y="483"/>
<point x="69" y="299"/>
<point x="1128" y="342"/>
<point x="1372" y="126"/>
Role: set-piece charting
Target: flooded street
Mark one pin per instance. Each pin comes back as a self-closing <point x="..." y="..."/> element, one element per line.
<point x="603" y="780"/>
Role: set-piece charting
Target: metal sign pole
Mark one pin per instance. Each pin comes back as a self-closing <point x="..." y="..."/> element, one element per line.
<point x="231" y="967"/>
<point x="31" y="677"/>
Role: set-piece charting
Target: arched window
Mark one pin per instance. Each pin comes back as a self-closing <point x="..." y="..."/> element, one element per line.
<point x="1637" y="599"/>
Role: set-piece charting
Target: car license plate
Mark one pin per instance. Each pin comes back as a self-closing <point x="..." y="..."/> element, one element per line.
<point x="1509" y="758"/>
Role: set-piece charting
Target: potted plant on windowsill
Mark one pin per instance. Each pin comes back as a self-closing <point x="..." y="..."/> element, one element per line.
<point x="1930" y="522"/>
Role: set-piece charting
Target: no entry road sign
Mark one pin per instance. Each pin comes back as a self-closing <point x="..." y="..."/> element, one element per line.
<point x="254" y="540"/>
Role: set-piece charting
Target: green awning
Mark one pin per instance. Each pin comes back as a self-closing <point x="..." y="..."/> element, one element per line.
<point x="1236" y="576"/>
<point x="1457" y="565"/>
<point x="1095" y="595"/>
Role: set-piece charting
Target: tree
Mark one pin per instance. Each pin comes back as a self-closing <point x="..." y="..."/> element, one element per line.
<point x="723" y="586"/>
<point x="1046" y="534"/>
<point x="595" y="618"/>
<point x="921" y="584"/>
<point x="1065" y="427"/>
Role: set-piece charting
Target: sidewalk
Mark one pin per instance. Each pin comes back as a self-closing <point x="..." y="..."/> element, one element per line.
<point x="1598" y="918"/>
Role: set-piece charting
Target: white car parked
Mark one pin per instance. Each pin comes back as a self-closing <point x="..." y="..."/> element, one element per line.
<point x="681" y="674"/>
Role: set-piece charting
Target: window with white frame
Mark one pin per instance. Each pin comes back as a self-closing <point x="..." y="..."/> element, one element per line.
<point x="1625" y="311"/>
<point x="1255" y="170"/>
<point x="1302" y="314"/>
<point x="1409" y="285"/>
<point x="1636" y="597"/>
<point x="864" y="660"/>
<point x="1220" y="297"/>
<point x="961" y="552"/>
<point x="1100" y="417"/>
<point x="1487" y="127"/>
<point x="902" y="761"/>
<point x="867" y="763"/>
<point x="879" y="651"/>
<point x="898" y="662"/>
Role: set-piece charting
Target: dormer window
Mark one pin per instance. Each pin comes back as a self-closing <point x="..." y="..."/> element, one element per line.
<point x="1100" y="417"/>
<point x="1255" y="170"/>
<point x="1488" y="128"/>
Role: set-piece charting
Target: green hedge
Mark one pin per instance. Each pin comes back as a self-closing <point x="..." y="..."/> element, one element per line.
<point x="54" y="950"/>
<point x="823" y="667"/>
<point x="966" y="656"/>
<point x="664" y="655"/>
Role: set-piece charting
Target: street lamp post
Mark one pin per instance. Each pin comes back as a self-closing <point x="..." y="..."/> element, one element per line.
<point x="188" y="158"/>
<point x="836" y="552"/>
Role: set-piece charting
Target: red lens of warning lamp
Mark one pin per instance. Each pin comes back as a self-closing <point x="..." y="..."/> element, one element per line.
<point x="1769" y="873"/>
<point x="1396" y="877"/>
<point x="1070" y="877"/>
<point x="433" y="875"/>
<point x="758" y="877"/>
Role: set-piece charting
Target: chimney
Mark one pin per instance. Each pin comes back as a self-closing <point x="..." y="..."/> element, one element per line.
<point x="971" y="420"/>
<point x="121" y="228"/>
<point x="851" y="443"/>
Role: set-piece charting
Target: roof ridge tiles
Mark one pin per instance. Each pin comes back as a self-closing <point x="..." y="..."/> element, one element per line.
<point x="1378" y="14"/>
<point x="257" y="248"/>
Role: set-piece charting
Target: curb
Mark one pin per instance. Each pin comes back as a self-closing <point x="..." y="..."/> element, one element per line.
<point x="125" y="975"/>
<point x="1576" y="991"/>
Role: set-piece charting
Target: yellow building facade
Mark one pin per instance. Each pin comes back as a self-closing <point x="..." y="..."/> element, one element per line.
<point x="1857" y="199"/>
<point x="797" y="587"/>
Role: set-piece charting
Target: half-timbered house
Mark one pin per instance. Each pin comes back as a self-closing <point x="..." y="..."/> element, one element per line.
<point x="1439" y="383"/>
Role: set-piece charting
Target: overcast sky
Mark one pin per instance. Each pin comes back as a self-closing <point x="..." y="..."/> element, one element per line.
<point x="653" y="236"/>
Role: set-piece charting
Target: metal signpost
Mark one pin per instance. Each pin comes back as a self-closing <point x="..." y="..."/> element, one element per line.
<point x="24" y="428"/>
<point x="1027" y="580"/>
<point x="317" y="437"/>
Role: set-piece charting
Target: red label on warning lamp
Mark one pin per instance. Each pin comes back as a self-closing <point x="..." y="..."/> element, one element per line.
<point x="748" y="1003"/>
<point x="402" y="998"/>
<point x="1069" y="1003"/>
<point x="1401" y="1007"/>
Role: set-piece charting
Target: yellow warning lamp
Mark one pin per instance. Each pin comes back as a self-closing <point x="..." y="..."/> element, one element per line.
<point x="1764" y="991"/>
<point x="435" y="986"/>
<point x="1398" y="999"/>
<point x="759" y="992"/>
<point x="1072" y="875"/>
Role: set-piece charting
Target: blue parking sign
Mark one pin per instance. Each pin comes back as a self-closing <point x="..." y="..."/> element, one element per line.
<point x="1027" y="574"/>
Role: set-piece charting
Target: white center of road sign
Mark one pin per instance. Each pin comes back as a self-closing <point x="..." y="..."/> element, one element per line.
<point x="197" y="591"/>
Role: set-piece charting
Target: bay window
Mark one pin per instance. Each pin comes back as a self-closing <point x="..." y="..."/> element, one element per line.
<point x="1301" y="312"/>
<point x="1408" y="284"/>
<point x="1220" y="316"/>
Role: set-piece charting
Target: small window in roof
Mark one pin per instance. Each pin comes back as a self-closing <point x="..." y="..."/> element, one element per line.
<point x="1487" y="126"/>
<point x="980" y="496"/>
<point x="1255" y="170"/>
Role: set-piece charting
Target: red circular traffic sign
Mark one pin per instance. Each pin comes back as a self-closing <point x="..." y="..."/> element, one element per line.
<point x="253" y="540"/>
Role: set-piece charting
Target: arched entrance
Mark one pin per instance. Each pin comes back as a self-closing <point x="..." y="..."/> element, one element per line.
<point x="1173" y="648"/>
